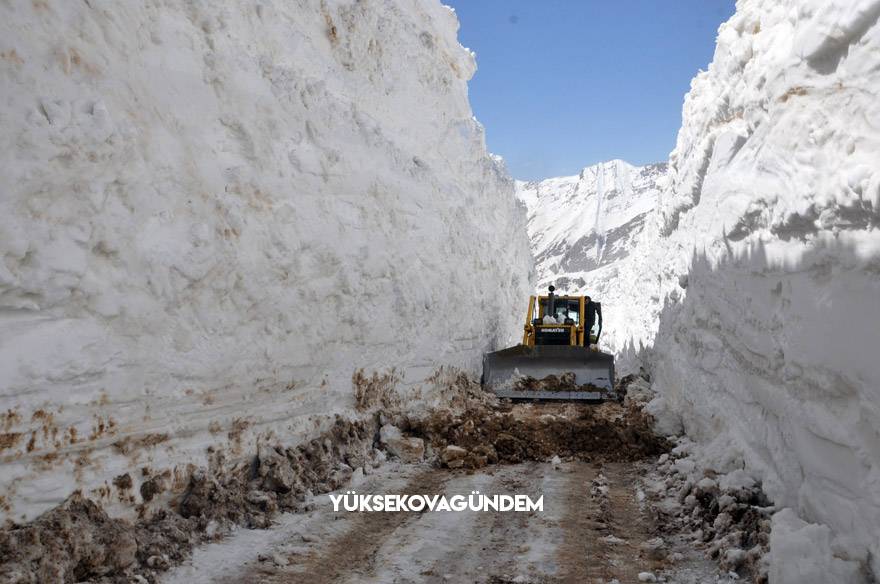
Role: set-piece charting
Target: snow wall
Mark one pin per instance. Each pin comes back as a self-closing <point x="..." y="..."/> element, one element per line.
<point x="759" y="276"/>
<point x="214" y="213"/>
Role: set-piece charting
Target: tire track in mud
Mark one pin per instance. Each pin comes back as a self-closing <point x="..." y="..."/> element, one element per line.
<point x="591" y="530"/>
<point x="604" y="537"/>
<point x="353" y="553"/>
<point x="471" y="546"/>
<point x="581" y="555"/>
<point x="456" y="547"/>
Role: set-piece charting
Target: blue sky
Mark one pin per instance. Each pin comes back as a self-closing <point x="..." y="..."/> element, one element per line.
<point x="562" y="84"/>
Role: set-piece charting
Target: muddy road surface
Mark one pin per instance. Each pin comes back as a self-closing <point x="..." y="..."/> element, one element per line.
<point x="591" y="529"/>
<point x="584" y="462"/>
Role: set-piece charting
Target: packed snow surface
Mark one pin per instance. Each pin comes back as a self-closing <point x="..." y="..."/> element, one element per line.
<point x="214" y="213"/>
<point x="757" y="281"/>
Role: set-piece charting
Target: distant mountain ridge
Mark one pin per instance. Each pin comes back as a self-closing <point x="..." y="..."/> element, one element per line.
<point x="586" y="222"/>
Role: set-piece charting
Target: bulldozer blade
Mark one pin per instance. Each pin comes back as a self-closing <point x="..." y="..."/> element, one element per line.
<point x="502" y="368"/>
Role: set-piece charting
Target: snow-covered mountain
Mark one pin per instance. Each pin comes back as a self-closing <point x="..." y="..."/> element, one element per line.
<point x="214" y="213"/>
<point x="584" y="228"/>
<point x="580" y="223"/>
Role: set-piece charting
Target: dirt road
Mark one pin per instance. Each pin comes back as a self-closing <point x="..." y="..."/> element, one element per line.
<point x="590" y="530"/>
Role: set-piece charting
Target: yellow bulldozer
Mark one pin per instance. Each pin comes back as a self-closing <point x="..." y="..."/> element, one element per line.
<point x="559" y="358"/>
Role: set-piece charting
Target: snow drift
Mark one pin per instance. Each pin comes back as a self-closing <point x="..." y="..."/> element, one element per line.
<point x="759" y="276"/>
<point x="213" y="214"/>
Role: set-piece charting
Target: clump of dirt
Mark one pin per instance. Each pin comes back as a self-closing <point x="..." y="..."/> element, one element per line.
<point x="131" y="444"/>
<point x="123" y="482"/>
<point x="153" y="486"/>
<point x="599" y="494"/>
<point x="511" y="434"/>
<point x="456" y="389"/>
<point x="78" y="541"/>
<point x="634" y="387"/>
<point x="9" y="439"/>
<point x="374" y="391"/>
<point x="73" y="542"/>
<point x="564" y="382"/>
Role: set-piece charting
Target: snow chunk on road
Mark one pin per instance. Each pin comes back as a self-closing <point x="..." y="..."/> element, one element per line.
<point x="803" y="553"/>
<point x="407" y="449"/>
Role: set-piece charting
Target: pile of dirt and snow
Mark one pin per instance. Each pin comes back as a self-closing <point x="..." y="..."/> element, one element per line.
<point x="509" y="434"/>
<point x="563" y="382"/>
<point x="73" y="542"/>
<point x="696" y="509"/>
<point x="214" y="214"/>
<point x="727" y="515"/>
<point x="79" y="541"/>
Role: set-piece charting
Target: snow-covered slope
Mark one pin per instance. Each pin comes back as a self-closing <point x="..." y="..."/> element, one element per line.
<point x="759" y="277"/>
<point x="214" y="213"/>
<point x="584" y="228"/>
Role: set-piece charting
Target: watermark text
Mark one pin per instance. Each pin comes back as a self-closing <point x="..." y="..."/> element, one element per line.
<point x="352" y="501"/>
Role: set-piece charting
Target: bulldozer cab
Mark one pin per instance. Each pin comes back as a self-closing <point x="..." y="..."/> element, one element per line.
<point x="572" y="321"/>
<point x="564" y="327"/>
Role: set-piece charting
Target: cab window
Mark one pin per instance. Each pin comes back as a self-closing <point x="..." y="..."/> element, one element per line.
<point x="565" y="308"/>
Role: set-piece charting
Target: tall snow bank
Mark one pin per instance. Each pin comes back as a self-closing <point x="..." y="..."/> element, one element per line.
<point x="761" y="272"/>
<point x="213" y="214"/>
